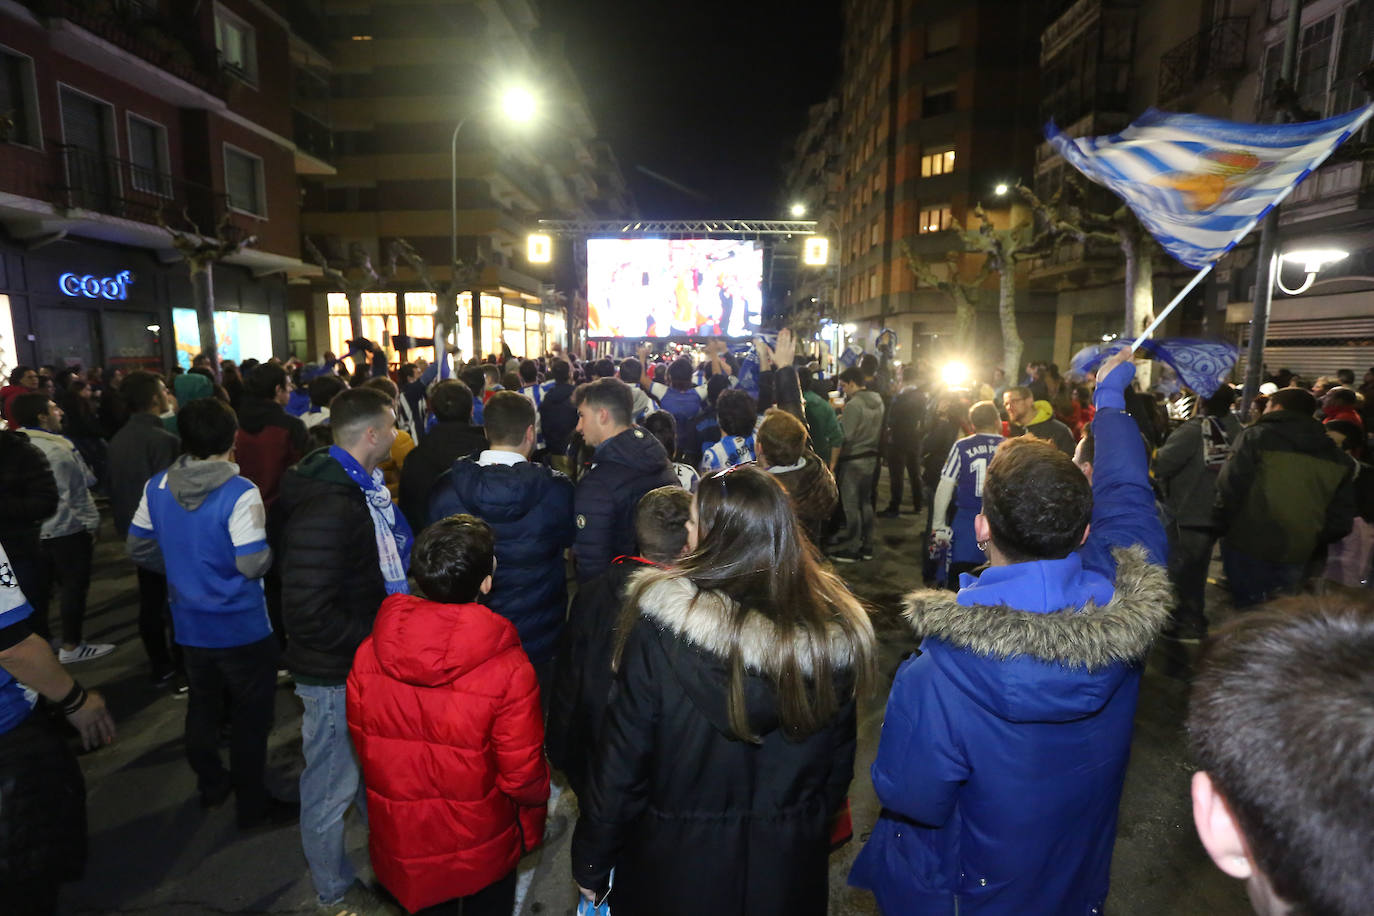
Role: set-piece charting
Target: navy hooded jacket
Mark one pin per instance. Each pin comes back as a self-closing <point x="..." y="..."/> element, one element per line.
<point x="530" y="510"/>
<point x="1005" y="742"/>
<point x="624" y="468"/>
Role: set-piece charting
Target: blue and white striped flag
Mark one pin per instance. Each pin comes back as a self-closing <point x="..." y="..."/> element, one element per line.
<point x="1201" y="184"/>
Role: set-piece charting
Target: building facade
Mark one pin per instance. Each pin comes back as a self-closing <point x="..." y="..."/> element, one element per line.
<point x="937" y="108"/>
<point x="117" y="120"/>
<point x="406" y="74"/>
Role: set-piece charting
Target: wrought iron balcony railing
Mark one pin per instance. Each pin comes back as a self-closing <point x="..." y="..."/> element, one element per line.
<point x="1217" y="51"/>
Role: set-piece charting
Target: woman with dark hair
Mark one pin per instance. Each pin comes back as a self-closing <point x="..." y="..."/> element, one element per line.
<point x="81" y="424"/>
<point x="728" y="740"/>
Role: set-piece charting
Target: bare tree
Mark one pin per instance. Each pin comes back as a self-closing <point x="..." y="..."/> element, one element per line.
<point x="201" y="252"/>
<point x="462" y="278"/>
<point x="963" y="293"/>
<point x="355" y="277"/>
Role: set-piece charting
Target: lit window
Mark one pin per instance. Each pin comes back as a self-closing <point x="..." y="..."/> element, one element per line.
<point x="243" y="181"/>
<point x="935" y="219"/>
<point x="237" y="45"/>
<point x="939" y="163"/>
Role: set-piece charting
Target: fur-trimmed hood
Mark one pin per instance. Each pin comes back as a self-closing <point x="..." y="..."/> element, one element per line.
<point x="1046" y="666"/>
<point x="698" y="623"/>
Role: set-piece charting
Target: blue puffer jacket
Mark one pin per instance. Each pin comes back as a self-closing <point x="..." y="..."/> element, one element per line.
<point x="624" y="468"/>
<point x="530" y="509"/>
<point x="1005" y="743"/>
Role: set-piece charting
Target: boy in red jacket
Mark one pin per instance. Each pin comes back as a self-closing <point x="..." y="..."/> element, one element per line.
<point x="444" y="712"/>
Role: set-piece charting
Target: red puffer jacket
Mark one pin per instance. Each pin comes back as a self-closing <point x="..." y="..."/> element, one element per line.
<point x="444" y="712"/>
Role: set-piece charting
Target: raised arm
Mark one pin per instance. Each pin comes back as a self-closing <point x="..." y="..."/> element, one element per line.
<point x="1124" y="512"/>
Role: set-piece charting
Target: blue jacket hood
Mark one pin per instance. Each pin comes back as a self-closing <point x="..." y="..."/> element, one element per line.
<point x="502" y="492"/>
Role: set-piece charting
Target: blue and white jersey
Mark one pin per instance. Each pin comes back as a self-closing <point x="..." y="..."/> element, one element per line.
<point x="15" y="701"/>
<point x="967" y="467"/>
<point x="728" y="452"/>
<point x="535" y="393"/>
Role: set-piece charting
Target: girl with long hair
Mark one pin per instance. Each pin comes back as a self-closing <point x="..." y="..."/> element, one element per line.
<point x="727" y="746"/>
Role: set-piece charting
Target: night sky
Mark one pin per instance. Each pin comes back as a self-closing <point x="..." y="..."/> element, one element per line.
<point x="708" y="94"/>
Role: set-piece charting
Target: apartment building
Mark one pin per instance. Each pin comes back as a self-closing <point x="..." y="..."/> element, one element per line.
<point x="406" y="73"/>
<point x="938" y="107"/>
<point x="116" y="117"/>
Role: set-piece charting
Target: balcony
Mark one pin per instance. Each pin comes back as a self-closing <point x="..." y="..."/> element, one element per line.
<point x="1215" y="53"/>
<point x="316" y="140"/>
<point x="154" y="39"/>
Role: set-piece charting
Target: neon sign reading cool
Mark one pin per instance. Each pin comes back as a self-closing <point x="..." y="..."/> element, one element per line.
<point x="93" y="287"/>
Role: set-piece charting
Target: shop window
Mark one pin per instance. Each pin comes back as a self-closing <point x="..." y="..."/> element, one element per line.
<point x="940" y="162"/>
<point x="935" y="219"/>
<point x="243" y="180"/>
<point x="68" y="337"/>
<point x="18" y="100"/>
<point x="148" y="169"/>
<point x="133" y="340"/>
<point x="237" y="45"/>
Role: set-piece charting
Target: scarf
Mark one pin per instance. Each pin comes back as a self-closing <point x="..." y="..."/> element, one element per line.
<point x="394" y="537"/>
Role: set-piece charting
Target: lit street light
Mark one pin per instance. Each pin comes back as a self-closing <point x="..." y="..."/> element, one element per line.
<point x="798" y="210"/>
<point x="519" y="106"/>
<point x="1001" y="190"/>
<point x="1312" y="261"/>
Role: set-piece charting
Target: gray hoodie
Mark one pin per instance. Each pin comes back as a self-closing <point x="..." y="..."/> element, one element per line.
<point x="862" y="420"/>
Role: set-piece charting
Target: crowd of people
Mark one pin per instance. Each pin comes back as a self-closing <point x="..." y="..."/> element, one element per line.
<point x="476" y="577"/>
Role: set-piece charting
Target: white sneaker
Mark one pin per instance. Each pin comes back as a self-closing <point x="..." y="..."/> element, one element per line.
<point x="85" y="652"/>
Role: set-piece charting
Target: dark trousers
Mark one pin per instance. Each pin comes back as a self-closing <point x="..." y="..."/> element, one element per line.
<point x="1255" y="581"/>
<point x="1189" y="558"/>
<point x="493" y="900"/>
<point x="66" y="562"/>
<point x="30" y="896"/>
<point x="904" y="462"/>
<point x="154" y="620"/>
<point x="247" y="676"/>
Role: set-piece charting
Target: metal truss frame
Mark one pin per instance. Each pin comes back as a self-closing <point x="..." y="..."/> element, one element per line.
<point x="747" y="228"/>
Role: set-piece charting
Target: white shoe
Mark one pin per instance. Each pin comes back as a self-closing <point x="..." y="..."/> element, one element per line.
<point x="85" y="652"/>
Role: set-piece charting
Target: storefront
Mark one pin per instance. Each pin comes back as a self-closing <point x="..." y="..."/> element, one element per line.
<point x="78" y="302"/>
<point x="528" y="330"/>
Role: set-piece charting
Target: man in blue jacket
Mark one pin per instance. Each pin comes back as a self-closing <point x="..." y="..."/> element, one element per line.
<point x="1005" y="744"/>
<point x="530" y="509"/>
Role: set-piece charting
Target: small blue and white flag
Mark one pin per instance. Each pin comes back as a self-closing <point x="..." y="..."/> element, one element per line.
<point x="1202" y="365"/>
<point x="1199" y="184"/>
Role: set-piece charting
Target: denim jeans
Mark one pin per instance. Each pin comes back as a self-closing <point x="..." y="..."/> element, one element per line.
<point x="330" y="783"/>
<point x="856" y="496"/>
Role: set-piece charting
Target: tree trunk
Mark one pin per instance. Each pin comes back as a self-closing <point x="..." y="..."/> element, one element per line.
<point x="964" y="320"/>
<point x="203" y="295"/>
<point x="1142" y="304"/>
<point x="1006" y="310"/>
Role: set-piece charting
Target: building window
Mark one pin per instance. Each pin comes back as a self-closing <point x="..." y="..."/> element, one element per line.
<point x="18" y="100"/>
<point x="939" y="100"/>
<point x="236" y="43"/>
<point x="937" y="163"/>
<point x="873" y="284"/>
<point x="1331" y="53"/>
<point x="243" y="181"/>
<point x="942" y="36"/>
<point x="935" y="219"/>
<point x="148" y="169"/>
<point x="875" y="234"/>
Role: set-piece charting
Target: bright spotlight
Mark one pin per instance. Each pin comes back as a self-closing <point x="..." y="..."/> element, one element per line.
<point x="1001" y="190"/>
<point x="798" y="210"/>
<point x="954" y="374"/>
<point x="539" y="249"/>
<point x="519" y="104"/>
<point x="816" y="251"/>
<point x="850" y="327"/>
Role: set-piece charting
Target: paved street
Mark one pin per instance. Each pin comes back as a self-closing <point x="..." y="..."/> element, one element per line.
<point x="153" y="851"/>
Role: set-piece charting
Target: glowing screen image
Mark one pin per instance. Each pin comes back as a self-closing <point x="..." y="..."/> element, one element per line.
<point x="674" y="288"/>
<point x="242" y="335"/>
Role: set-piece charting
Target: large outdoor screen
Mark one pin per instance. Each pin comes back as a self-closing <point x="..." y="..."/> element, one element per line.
<point x="674" y="288"/>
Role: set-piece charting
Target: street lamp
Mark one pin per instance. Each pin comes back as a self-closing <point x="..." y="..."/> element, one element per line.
<point x="1001" y="189"/>
<point x="798" y="210"/>
<point x="519" y="106"/>
<point x="1312" y="261"/>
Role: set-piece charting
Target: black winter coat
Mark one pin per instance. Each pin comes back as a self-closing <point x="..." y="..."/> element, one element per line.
<point x="905" y="419"/>
<point x="582" y="674"/>
<point x="440" y="447"/>
<point x="331" y="580"/>
<point x="530" y="510"/>
<point x="693" y="819"/>
<point x="624" y="468"/>
<point x="43" y="797"/>
<point x="557" y="417"/>
<point x="28" y="491"/>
